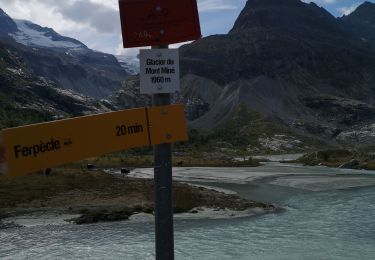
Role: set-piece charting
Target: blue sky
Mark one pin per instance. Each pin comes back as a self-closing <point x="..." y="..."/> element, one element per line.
<point x="96" y="22"/>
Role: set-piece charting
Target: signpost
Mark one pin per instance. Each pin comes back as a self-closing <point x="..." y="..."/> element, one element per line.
<point x="160" y="71"/>
<point x="164" y="239"/>
<point x="36" y="147"/>
<point x="3" y="156"/>
<point x="158" y="23"/>
<point x="154" y="23"/>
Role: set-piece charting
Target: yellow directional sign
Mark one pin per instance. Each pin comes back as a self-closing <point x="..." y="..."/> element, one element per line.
<point x="167" y="124"/>
<point x="30" y="148"/>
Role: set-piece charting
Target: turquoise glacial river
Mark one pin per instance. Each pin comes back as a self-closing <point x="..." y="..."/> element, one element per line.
<point x="329" y="214"/>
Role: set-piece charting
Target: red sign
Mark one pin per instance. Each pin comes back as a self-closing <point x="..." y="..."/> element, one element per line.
<point x="3" y="154"/>
<point x="158" y="22"/>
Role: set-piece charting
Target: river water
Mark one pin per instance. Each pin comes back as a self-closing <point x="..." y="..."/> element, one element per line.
<point x="330" y="214"/>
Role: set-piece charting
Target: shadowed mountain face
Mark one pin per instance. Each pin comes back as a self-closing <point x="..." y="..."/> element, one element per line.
<point x="292" y="62"/>
<point x="7" y="25"/>
<point x="25" y="98"/>
<point x="361" y="22"/>
<point x="285" y="63"/>
<point x="46" y="76"/>
<point x="281" y="39"/>
<point x="286" y="15"/>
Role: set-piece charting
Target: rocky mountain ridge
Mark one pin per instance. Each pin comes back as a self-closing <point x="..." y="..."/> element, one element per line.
<point x="25" y="98"/>
<point x="34" y="35"/>
<point x="292" y="62"/>
<point x="7" y="24"/>
<point x="63" y="60"/>
<point x="361" y="22"/>
<point x="288" y="72"/>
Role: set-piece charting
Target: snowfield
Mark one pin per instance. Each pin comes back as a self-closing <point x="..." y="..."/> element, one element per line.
<point x="28" y="36"/>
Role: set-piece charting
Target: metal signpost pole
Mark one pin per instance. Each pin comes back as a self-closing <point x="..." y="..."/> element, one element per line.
<point x="164" y="242"/>
<point x="158" y="23"/>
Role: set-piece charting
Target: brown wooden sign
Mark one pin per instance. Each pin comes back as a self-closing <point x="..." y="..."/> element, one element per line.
<point x="158" y="22"/>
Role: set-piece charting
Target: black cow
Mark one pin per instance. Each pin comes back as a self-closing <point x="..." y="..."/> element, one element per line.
<point x="124" y="172"/>
<point x="47" y="171"/>
<point x="90" y="167"/>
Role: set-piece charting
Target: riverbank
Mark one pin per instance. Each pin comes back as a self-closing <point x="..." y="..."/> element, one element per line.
<point x="96" y="196"/>
<point x="143" y="161"/>
<point x="346" y="159"/>
<point x="311" y="223"/>
<point x="310" y="178"/>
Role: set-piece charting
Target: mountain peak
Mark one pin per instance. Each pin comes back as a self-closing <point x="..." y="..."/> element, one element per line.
<point x="7" y="25"/>
<point x="2" y="13"/>
<point x="367" y="3"/>
<point x="363" y="12"/>
<point x="365" y="6"/>
<point x="361" y="22"/>
<point x="31" y="34"/>
<point x="284" y="15"/>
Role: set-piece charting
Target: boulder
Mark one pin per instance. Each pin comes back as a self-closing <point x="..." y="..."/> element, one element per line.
<point x="352" y="164"/>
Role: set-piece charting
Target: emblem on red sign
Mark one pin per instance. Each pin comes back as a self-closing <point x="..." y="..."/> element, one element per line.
<point x="158" y="22"/>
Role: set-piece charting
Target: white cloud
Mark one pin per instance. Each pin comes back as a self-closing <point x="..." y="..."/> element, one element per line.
<point x="113" y="4"/>
<point x="329" y="1"/>
<point x="321" y="2"/>
<point x="346" y="10"/>
<point x="215" y="5"/>
<point x="39" y="12"/>
<point x="95" y="23"/>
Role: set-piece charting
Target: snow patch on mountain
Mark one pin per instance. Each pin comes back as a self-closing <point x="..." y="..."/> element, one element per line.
<point x="130" y="64"/>
<point x="29" y="35"/>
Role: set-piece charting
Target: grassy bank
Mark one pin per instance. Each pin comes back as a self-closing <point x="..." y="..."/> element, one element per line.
<point x="98" y="196"/>
<point x="116" y="160"/>
<point x="340" y="158"/>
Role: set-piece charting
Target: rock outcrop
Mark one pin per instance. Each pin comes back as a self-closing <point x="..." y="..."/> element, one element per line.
<point x="290" y="61"/>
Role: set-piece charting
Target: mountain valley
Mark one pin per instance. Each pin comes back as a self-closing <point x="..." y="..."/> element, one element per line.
<point x="288" y="76"/>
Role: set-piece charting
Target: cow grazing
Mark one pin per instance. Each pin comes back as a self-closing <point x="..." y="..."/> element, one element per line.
<point x="47" y="171"/>
<point x="124" y="172"/>
<point x="90" y="167"/>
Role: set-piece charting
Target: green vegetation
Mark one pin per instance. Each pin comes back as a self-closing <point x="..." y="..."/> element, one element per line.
<point x="344" y="158"/>
<point x="241" y="135"/>
<point x="11" y="116"/>
<point x="333" y="158"/>
<point x="93" y="216"/>
<point x="129" y="159"/>
<point x="10" y="84"/>
<point x="14" y="191"/>
<point x="245" y="127"/>
<point x="371" y="165"/>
